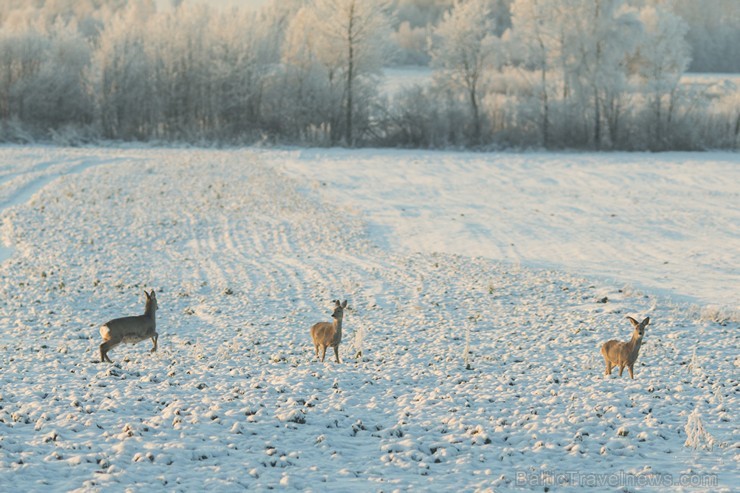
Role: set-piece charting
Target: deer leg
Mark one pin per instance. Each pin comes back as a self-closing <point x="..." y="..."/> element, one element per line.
<point x="608" y="370"/>
<point x="336" y="352"/>
<point x="154" y="340"/>
<point x="621" y="369"/>
<point x="316" y="347"/>
<point x="104" y="348"/>
<point x="323" y="354"/>
<point x="630" y="370"/>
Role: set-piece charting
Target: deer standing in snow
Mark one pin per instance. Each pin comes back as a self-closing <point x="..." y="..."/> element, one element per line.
<point x="623" y="354"/>
<point x="130" y="330"/>
<point x="329" y="334"/>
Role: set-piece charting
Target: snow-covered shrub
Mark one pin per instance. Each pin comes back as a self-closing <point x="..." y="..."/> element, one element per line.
<point x="719" y="314"/>
<point x="693" y="366"/>
<point x="696" y="435"/>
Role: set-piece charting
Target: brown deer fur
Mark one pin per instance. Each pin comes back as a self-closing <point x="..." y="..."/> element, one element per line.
<point x="624" y="354"/>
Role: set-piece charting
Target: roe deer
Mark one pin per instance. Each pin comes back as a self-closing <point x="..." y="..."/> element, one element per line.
<point x="329" y="334"/>
<point x="623" y="354"/>
<point x="130" y="329"/>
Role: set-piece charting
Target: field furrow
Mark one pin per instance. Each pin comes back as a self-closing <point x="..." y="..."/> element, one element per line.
<point x="474" y="374"/>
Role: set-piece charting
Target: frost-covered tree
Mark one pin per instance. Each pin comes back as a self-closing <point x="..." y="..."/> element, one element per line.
<point x="251" y="64"/>
<point x="237" y="62"/>
<point x="421" y="13"/>
<point x="200" y="72"/>
<point x="412" y="44"/>
<point x="23" y="50"/>
<point x="123" y="77"/>
<point x="309" y="85"/>
<point x="599" y="37"/>
<point x="713" y="34"/>
<point x="661" y="59"/>
<point x="464" y="48"/>
<point x="588" y="72"/>
<point x="536" y="36"/>
<point x="592" y="48"/>
<point x="43" y="74"/>
<point x="58" y="94"/>
<point x="177" y="44"/>
<point x="351" y="40"/>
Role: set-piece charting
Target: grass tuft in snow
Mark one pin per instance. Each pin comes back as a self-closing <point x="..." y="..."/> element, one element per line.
<point x="697" y="437"/>
<point x="722" y="315"/>
<point x="466" y="356"/>
<point x="694" y="367"/>
<point x="359" y="340"/>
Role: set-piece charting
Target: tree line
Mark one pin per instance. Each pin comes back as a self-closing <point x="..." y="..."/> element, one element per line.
<point x="596" y="74"/>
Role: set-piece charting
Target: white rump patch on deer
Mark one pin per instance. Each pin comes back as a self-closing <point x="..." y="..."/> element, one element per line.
<point x="130" y="330"/>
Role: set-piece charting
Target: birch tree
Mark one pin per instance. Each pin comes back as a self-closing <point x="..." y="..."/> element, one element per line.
<point x="352" y="38"/>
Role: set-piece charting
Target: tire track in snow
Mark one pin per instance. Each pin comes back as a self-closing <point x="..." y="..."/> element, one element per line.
<point x="213" y="404"/>
<point x="49" y="172"/>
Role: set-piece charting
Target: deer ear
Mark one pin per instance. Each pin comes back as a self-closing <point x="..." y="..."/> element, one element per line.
<point x="336" y="303"/>
<point x="147" y="295"/>
<point x="154" y="295"/>
<point x="344" y="305"/>
<point x="646" y="321"/>
<point x="634" y="322"/>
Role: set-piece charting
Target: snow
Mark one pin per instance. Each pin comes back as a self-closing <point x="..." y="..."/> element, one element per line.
<point x="706" y="79"/>
<point x="664" y="222"/>
<point x="247" y="248"/>
<point x="396" y="79"/>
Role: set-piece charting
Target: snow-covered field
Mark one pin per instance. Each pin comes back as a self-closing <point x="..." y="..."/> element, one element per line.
<point x="395" y="79"/>
<point x="665" y="222"/>
<point x="530" y="261"/>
